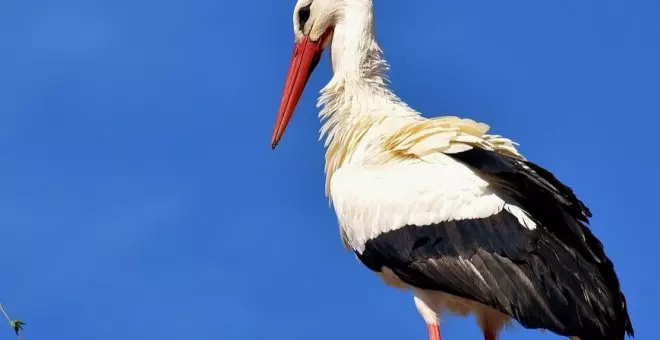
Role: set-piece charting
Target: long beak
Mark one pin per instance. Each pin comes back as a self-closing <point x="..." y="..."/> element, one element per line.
<point x="306" y="55"/>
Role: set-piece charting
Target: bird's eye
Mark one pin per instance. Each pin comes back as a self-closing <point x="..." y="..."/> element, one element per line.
<point x="303" y="15"/>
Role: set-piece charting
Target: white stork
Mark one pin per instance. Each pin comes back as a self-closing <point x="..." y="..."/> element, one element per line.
<point x="442" y="208"/>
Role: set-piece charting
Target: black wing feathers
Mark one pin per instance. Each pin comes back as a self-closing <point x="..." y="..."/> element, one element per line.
<point x="538" y="191"/>
<point x="499" y="263"/>
<point x="556" y="276"/>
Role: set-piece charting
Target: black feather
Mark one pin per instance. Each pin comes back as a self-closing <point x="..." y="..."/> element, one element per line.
<point x="558" y="210"/>
<point x="555" y="276"/>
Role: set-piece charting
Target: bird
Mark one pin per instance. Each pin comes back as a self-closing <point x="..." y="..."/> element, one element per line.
<point x="441" y="208"/>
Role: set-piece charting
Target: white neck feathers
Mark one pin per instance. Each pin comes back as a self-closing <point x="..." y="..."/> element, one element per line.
<point x="358" y="106"/>
<point x="359" y="86"/>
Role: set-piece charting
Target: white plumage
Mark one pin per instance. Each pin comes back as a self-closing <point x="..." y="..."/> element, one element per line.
<point x="373" y="199"/>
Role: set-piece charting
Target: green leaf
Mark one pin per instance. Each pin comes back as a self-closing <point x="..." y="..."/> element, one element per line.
<point x="17" y="325"/>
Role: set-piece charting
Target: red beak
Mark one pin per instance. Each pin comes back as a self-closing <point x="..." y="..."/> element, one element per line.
<point x="306" y="55"/>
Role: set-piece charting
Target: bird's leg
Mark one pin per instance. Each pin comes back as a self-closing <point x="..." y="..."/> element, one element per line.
<point x="491" y="323"/>
<point x="490" y="334"/>
<point x="429" y="311"/>
<point x="434" y="331"/>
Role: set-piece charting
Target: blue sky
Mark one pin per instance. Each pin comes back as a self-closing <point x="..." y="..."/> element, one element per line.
<point x="140" y="198"/>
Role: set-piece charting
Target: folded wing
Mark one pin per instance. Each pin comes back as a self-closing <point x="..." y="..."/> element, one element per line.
<point x="448" y="208"/>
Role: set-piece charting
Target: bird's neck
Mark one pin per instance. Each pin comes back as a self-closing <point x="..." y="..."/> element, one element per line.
<point x="359" y="108"/>
<point x="359" y="88"/>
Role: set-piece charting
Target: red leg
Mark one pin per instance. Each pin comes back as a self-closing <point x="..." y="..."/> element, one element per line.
<point x="434" y="332"/>
<point x="491" y="324"/>
<point x="490" y="334"/>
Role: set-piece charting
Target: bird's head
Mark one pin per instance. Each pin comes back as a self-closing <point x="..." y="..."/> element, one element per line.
<point x="313" y="25"/>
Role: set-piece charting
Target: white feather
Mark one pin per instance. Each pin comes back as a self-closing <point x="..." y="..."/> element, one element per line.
<point x="371" y="200"/>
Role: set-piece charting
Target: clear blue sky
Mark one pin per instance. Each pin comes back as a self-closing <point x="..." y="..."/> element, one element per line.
<point x="139" y="197"/>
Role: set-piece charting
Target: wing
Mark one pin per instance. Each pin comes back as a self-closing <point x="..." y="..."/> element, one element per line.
<point x="469" y="216"/>
<point x="563" y="218"/>
<point x="527" y="274"/>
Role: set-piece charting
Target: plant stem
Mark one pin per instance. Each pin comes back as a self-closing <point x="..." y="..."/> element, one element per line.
<point x="5" y="313"/>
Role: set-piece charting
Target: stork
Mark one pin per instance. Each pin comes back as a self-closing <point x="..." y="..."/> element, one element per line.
<point x="440" y="207"/>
